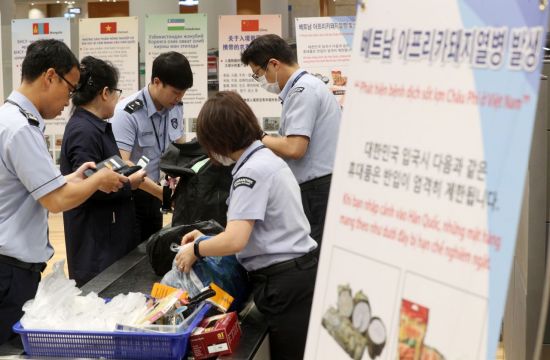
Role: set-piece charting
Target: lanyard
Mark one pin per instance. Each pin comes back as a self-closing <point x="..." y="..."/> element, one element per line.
<point x="163" y="135"/>
<point x="294" y="83"/>
<point x="161" y="149"/>
<point x="248" y="157"/>
<point x="297" y="78"/>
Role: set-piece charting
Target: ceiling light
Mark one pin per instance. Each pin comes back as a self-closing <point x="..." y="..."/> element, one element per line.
<point x="188" y="2"/>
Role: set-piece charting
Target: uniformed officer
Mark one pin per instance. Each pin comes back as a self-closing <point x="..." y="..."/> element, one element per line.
<point x="310" y="121"/>
<point x="31" y="183"/>
<point x="145" y="123"/>
<point x="266" y="225"/>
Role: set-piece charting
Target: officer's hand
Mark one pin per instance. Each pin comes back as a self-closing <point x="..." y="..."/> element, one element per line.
<point x="137" y="178"/>
<point x="110" y="181"/>
<point x="190" y="237"/>
<point x="78" y="175"/>
<point x="185" y="258"/>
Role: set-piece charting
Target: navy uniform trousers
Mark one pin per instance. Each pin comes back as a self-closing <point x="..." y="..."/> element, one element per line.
<point x="283" y="293"/>
<point x="16" y="287"/>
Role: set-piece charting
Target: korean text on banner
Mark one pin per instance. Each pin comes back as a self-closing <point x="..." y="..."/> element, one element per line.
<point x="427" y="187"/>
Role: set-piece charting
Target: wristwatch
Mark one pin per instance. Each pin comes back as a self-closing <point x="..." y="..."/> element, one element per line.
<point x="196" y="247"/>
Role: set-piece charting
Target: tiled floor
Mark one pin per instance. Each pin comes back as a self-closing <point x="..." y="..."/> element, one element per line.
<point x="500" y="353"/>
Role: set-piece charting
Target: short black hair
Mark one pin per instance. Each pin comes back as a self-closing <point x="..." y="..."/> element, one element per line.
<point x="266" y="47"/>
<point x="44" y="54"/>
<point x="172" y="68"/>
<point x="226" y="124"/>
<point x="95" y="75"/>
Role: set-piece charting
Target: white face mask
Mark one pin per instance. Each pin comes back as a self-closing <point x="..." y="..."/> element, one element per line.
<point x="269" y="87"/>
<point x="224" y="160"/>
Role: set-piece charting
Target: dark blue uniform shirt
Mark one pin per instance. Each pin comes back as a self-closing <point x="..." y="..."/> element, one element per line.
<point x="101" y="230"/>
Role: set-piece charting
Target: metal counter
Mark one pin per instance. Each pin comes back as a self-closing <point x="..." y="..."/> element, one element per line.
<point x="134" y="274"/>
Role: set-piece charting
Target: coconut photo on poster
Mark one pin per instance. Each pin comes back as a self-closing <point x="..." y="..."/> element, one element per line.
<point x="355" y="320"/>
<point x="353" y="325"/>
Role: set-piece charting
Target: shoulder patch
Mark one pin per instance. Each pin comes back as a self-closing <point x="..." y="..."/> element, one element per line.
<point x="296" y="90"/>
<point x="33" y="121"/>
<point x="30" y="118"/>
<point x="244" y="181"/>
<point x="174" y="123"/>
<point x="133" y="106"/>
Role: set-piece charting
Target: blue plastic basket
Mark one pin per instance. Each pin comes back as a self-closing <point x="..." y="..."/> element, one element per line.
<point x="111" y="345"/>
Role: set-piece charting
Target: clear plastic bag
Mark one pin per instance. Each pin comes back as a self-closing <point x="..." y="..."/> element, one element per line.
<point x="59" y="306"/>
<point x="224" y="271"/>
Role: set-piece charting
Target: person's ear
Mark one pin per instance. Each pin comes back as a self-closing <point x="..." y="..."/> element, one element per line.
<point x="49" y="75"/>
<point x="105" y="93"/>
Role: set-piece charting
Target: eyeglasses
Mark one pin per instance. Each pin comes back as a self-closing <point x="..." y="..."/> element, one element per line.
<point x="72" y="88"/>
<point x="255" y="75"/>
<point x="118" y="91"/>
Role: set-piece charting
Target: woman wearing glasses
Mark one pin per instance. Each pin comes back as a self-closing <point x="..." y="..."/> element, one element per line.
<point x="100" y="231"/>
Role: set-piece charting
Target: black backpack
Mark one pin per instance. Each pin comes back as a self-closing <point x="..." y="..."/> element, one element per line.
<point x="198" y="196"/>
<point x="158" y="245"/>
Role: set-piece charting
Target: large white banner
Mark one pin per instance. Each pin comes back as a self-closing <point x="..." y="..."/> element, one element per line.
<point x="428" y="179"/>
<point x="184" y="33"/>
<point x="323" y="48"/>
<point x="115" y="40"/>
<point x="235" y="33"/>
<point x="24" y="32"/>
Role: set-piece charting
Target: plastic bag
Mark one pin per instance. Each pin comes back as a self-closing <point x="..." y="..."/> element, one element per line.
<point x="224" y="271"/>
<point x="59" y="306"/>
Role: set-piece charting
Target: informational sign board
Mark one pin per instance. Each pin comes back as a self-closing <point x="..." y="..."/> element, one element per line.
<point x="323" y="47"/>
<point x="23" y="33"/>
<point x="235" y="33"/>
<point x="186" y="34"/>
<point x="115" y="40"/>
<point x="428" y="179"/>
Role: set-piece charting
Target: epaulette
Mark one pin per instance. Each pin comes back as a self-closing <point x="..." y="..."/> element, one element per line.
<point x="30" y="118"/>
<point x="133" y="106"/>
<point x="33" y="121"/>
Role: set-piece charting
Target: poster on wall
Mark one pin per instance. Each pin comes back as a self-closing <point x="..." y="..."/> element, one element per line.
<point x="323" y="48"/>
<point x="428" y="180"/>
<point x="23" y="33"/>
<point x="115" y="40"/>
<point x="186" y="34"/>
<point x="235" y="33"/>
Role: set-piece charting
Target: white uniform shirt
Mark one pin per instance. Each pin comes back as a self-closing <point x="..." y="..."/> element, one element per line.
<point x="27" y="173"/>
<point x="265" y="190"/>
<point x="311" y="110"/>
<point x="147" y="131"/>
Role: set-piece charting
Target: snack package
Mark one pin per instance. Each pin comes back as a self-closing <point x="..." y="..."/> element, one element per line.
<point x="412" y="330"/>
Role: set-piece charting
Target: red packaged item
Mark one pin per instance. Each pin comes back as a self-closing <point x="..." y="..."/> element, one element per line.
<point x="412" y="330"/>
<point x="216" y="335"/>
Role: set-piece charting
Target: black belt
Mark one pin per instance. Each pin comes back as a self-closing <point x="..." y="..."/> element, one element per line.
<point x="36" y="267"/>
<point x="298" y="262"/>
<point x="312" y="184"/>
